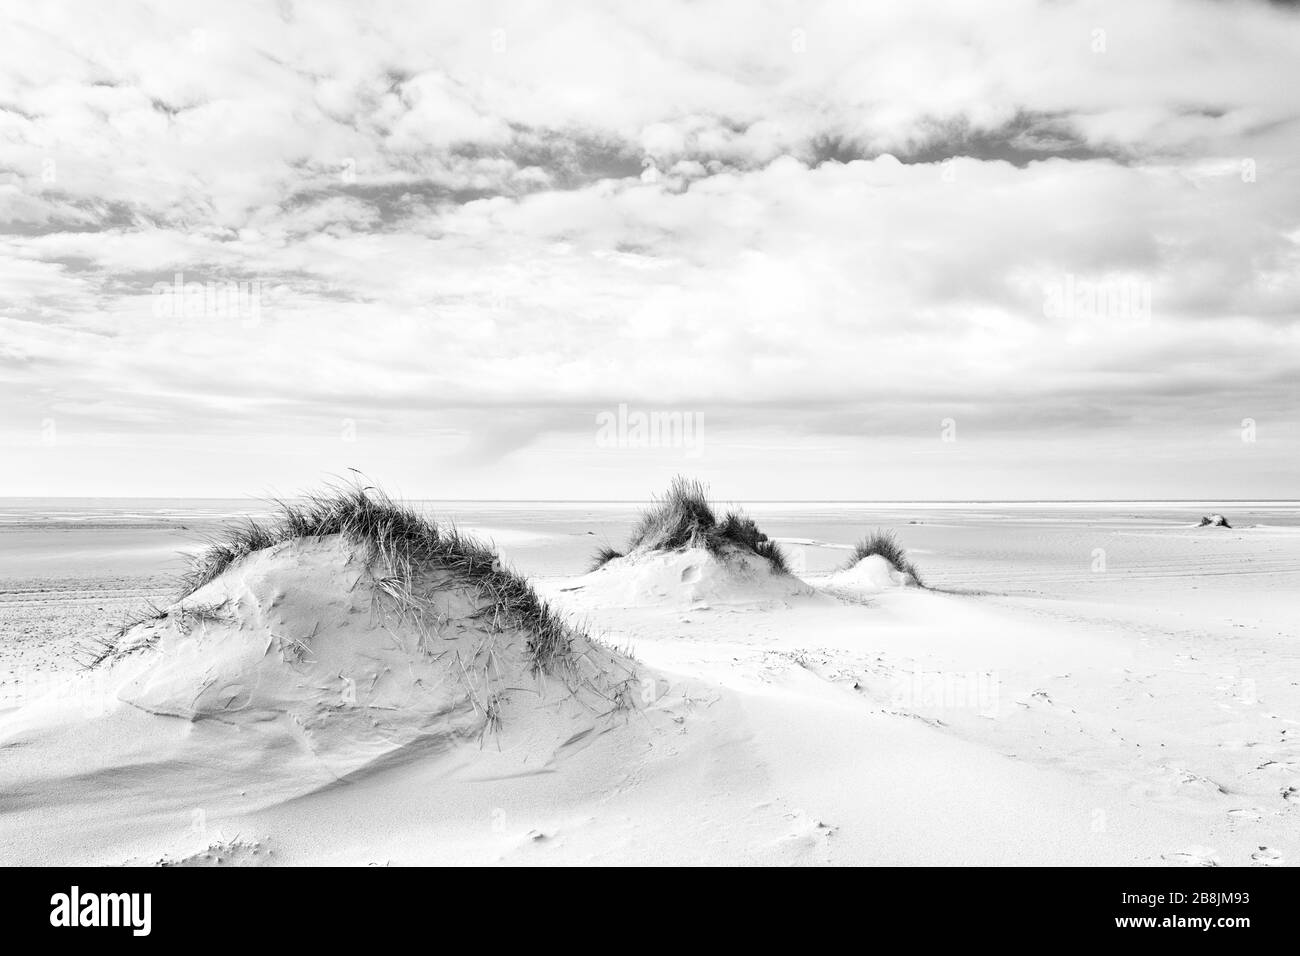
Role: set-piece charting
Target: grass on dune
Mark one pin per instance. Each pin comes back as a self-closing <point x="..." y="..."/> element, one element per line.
<point x="603" y="556"/>
<point x="885" y="544"/>
<point x="406" y="544"/>
<point x="684" y="518"/>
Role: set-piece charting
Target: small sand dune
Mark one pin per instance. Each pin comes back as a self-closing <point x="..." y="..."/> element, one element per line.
<point x="688" y="578"/>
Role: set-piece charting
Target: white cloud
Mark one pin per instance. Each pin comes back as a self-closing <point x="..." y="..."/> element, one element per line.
<point x="446" y="213"/>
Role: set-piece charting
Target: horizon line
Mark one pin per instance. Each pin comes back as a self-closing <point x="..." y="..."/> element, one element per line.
<point x="579" y="501"/>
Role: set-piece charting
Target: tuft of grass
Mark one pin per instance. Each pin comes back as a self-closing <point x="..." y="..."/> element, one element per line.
<point x="408" y="546"/>
<point x="684" y="518"/>
<point x="885" y="544"/>
<point x="772" y="551"/>
<point x="740" y="529"/>
<point x="603" y="556"/>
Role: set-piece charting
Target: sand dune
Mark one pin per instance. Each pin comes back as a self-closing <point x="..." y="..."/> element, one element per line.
<point x="712" y="708"/>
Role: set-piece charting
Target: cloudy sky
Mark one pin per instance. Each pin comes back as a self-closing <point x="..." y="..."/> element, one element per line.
<point x="911" y="250"/>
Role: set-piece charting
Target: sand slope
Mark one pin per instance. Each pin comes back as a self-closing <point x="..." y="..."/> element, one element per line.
<point x="291" y="673"/>
<point x="763" y="722"/>
<point x="686" y="578"/>
<point x="921" y="727"/>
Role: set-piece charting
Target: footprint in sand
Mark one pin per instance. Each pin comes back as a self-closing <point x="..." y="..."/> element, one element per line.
<point x="1193" y="856"/>
<point x="1265" y="857"/>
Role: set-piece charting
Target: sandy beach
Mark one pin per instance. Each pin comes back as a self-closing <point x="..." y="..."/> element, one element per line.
<point x="1087" y="683"/>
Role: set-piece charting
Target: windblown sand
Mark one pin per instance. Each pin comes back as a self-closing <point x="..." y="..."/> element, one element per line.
<point x="1096" y="689"/>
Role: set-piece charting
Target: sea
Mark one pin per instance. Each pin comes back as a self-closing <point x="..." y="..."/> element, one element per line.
<point x="1035" y="547"/>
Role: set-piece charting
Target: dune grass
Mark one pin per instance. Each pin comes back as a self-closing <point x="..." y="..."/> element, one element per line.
<point x="603" y="556"/>
<point x="406" y="544"/>
<point x="684" y="518"/>
<point x="885" y="544"/>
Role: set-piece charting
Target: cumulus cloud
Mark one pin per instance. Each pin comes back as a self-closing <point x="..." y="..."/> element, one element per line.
<point x="478" y="226"/>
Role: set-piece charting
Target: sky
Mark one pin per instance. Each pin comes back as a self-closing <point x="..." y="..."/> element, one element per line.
<point x="799" y="250"/>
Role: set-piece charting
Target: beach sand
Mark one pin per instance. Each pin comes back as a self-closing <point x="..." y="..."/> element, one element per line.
<point x="1090" y="684"/>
